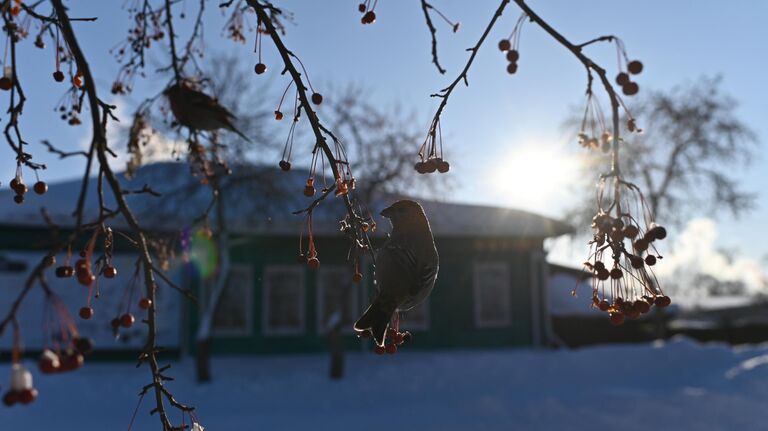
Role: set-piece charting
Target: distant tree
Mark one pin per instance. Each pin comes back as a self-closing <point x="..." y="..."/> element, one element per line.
<point x="689" y="157"/>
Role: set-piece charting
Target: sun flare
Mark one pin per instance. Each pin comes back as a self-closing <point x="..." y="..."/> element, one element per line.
<point x="535" y="177"/>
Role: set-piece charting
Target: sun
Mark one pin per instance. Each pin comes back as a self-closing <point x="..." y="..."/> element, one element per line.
<point x="535" y="177"/>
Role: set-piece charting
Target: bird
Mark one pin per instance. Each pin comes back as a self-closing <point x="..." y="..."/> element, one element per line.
<point x="406" y="268"/>
<point x="197" y="110"/>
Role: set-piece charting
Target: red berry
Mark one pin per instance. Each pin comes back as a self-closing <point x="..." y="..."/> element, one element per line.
<point x="630" y="88"/>
<point x="603" y="274"/>
<point x="650" y="260"/>
<point x="86" y="313"/>
<point x="379" y="350"/>
<point x="83" y="345"/>
<point x="631" y="231"/>
<point x="278" y="115"/>
<point x="662" y="301"/>
<point x="391" y="348"/>
<point x="126" y="320"/>
<point x="622" y="79"/>
<point x="110" y="272"/>
<point x="145" y="303"/>
<point x="285" y="165"/>
<point x="5" y="83"/>
<point x="260" y="68"/>
<point x="10" y="398"/>
<point x="49" y="362"/>
<point x="58" y="76"/>
<point x="27" y="395"/>
<point x="513" y="56"/>
<point x="317" y="98"/>
<point x="642" y="306"/>
<point x="443" y="166"/>
<point x="504" y="45"/>
<point x="430" y="165"/>
<point x="357" y="277"/>
<point x="616" y="273"/>
<point x="635" y="67"/>
<point x="421" y="167"/>
<point x="19" y="199"/>
<point x="641" y="245"/>
<point x="361" y="7"/>
<point x="512" y="68"/>
<point x="616" y="319"/>
<point x="369" y="17"/>
<point x="657" y="232"/>
<point x="313" y="262"/>
<point x="636" y="262"/>
<point x="603" y="305"/>
<point x="309" y="191"/>
<point x="71" y="361"/>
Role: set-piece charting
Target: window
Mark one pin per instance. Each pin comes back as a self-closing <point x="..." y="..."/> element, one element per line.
<point x="491" y="290"/>
<point x="417" y="318"/>
<point x="283" y="300"/>
<point x="336" y="293"/>
<point x="234" y="312"/>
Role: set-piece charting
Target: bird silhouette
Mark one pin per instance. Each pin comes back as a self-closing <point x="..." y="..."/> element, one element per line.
<point x="406" y="268"/>
<point x="199" y="111"/>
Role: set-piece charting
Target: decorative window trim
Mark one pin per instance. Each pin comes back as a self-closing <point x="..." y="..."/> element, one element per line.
<point x="247" y="274"/>
<point x="266" y="329"/>
<point x="478" y="268"/>
<point x="321" y="326"/>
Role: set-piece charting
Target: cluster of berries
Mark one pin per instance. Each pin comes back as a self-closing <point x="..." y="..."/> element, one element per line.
<point x="22" y="390"/>
<point x="52" y="362"/>
<point x="369" y="16"/>
<point x="393" y="340"/>
<point x="512" y="55"/>
<point x="632" y="285"/>
<point x="431" y="165"/>
<point x="21" y="189"/>
<point x="629" y="87"/>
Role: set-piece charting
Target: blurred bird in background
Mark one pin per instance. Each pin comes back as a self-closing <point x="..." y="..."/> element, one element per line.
<point x="406" y="268"/>
<point x="197" y="110"/>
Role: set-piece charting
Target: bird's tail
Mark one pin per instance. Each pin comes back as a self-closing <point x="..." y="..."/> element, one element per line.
<point x="376" y="320"/>
<point x="232" y="128"/>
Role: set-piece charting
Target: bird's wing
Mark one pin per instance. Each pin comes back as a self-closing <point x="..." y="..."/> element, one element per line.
<point x="397" y="270"/>
<point x="204" y="101"/>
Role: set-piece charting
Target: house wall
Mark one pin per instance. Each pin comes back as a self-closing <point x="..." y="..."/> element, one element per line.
<point x="451" y="307"/>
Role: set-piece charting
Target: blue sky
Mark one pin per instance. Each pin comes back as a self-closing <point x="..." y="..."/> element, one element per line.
<point x="500" y="120"/>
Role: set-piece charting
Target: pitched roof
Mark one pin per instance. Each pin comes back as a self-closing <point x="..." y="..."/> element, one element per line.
<point x="260" y="200"/>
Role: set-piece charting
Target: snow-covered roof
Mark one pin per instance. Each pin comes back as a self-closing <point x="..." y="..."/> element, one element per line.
<point x="260" y="199"/>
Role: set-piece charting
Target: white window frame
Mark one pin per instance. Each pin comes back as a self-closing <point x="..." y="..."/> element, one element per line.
<point x="248" y="298"/>
<point x="344" y="270"/>
<point x="412" y="324"/>
<point x="266" y="329"/>
<point x="479" y="268"/>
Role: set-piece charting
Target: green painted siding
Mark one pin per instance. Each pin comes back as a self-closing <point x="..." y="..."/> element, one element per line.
<point x="451" y="304"/>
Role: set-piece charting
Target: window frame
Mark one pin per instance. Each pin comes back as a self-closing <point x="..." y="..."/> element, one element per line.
<point x="479" y="321"/>
<point x="249" y="318"/>
<point x="266" y="289"/>
<point x="320" y="303"/>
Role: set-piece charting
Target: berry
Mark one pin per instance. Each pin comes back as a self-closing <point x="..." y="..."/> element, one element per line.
<point x="285" y="165"/>
<point x="504" y="45"/>
<point x="513" y="55"/>
<point x="443" y="166"/>
<point x="64" y="271"/>
<point x="83" y="345"/>
<point x="599" y="265"/>
<point x="603" y="274"/>
<point x="357" y="277"/>
<point x="278" y="115"/>
<point x="603" y="305"/>
<point x="110" y="272"/>
<point x="369" y="17"/>
<point x="641" y="245"/>
<point x="616" y="273"/>
<point x="616" y="319"/>
<point x="630" y="88"/>
<point x="260" y="68"/>
<point x="636" y="262"/>
<point x="635" y="67"/>
<point x="49" y="362"/>
<point x="19" y="199"/>
<point x="391" y="348"/>
<point x="622" y="79"/>
<point x="49" y="260"/>
<point x="5" y="83"/>
<point x="663" y="301"/>
<point x="379" y="350"/>
<point x="71" y="361"/>
<point x="126" y="320"/>
<point x="313" y="262"/>
<point x="58" y="76"/>
<point x="301" y="258"/>
<point x="309" y="191"/>
<point x="631" y="231"/>
<point x="10" y="398"/>
<point x="317" y="98"/>
<point x="40" y="187"/>
<point x="617" y="235"/>
<point x="650" y="260"/>
<point x="512" y="68"/>
<point x="115" y="323"/>
<point x="27" y="395"/>
<point x="86" y="313"/>
<point x="430" y="165"/>
<point x="421" y="167"/>
<point x="642" y="306"/>
<point x="145" y="303"/>
<point x="657" y="232"/>
<point x="361" y="7"/>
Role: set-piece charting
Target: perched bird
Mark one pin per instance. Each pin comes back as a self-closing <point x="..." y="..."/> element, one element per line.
<point x="406" y="268"/>
<point x="199" y="111"/>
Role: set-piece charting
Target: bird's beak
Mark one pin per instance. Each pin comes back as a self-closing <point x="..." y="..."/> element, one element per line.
<point x="386" y="212"/>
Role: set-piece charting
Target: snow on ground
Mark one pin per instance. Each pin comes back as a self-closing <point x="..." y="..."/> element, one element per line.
<point x="679" y="385"/>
